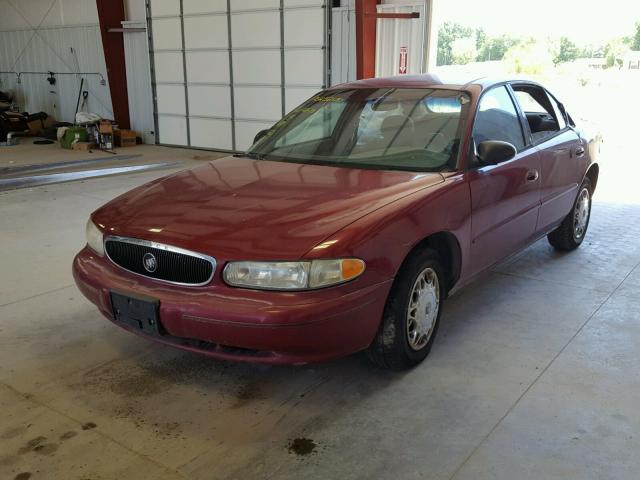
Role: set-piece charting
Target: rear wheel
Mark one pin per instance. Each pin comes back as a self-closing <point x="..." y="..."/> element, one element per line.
<point x="571" y="232"/>
<point x="412" y="313"/>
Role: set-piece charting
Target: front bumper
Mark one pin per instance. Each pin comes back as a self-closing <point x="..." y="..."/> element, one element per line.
<point x="241" y="324"/>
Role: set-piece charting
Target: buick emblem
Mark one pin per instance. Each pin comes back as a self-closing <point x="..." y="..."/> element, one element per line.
<point x="149" y="262"/>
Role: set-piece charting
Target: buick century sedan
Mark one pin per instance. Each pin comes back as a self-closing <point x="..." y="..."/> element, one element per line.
<point x="347" y="224"/>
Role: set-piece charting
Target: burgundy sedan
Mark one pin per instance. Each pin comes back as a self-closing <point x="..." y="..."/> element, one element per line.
<point x="346" y="225"/>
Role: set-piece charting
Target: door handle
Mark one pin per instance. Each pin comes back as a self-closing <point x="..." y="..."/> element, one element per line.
<point x="579" y="152"/>
<point x="532" y="176"/>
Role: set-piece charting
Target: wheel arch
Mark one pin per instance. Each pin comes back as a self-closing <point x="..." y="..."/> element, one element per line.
<point x="448" y="248"/>
<point x="592" y="174"/>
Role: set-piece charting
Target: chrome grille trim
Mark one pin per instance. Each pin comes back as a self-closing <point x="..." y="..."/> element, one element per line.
<point x="161" y="246"/>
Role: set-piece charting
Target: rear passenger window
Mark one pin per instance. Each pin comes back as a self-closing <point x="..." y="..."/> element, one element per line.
<point x="543" y="113"/>
<point x="558" y="113"/>
<point x="528" y="103"/>
<point x="497" y="119"/>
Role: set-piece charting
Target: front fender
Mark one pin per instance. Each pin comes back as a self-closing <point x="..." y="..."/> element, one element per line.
<point x="385" y="237"/>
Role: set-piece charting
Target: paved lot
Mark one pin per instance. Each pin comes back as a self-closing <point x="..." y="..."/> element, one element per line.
<point x="534" y="373"/>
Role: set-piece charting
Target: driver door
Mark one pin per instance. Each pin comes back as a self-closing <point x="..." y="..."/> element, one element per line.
<point x="505" y="198"/>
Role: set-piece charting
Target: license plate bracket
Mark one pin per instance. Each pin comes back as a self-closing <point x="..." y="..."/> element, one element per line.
<point x="137" y="312"/>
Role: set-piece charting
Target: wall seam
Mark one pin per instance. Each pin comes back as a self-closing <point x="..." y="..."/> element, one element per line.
<point x="231" y="82"/>
<point x="152" y="69"/>
<point x="184" y="75"/>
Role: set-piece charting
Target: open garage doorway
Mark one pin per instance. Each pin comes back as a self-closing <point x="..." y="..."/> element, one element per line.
<point x="585" y="53"/>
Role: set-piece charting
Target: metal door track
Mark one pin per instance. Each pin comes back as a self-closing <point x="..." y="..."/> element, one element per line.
<point x="38" y="180"/>
<point x="59" y="165"/>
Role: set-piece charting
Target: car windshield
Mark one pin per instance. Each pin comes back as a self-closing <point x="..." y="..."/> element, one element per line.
<point x="386" y="128"/>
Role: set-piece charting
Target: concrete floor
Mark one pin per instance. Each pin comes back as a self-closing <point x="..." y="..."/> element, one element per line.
<point x="534" y="373"/>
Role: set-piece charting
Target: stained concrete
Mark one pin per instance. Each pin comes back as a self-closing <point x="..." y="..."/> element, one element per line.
<point x="533" y="374"/>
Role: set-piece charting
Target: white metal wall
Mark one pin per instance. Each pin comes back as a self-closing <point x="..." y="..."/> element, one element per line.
<point x="136" y="52"/>
<point x="396" y="35"/>
<point x="418" y="36"/>
<point x="225" y="69"/>
<point x="38" y="36"/>
<point x="343" y="44"/>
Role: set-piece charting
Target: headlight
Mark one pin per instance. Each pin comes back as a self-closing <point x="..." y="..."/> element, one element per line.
<point x="292" y="275"/>
<point x="94" y="238"/>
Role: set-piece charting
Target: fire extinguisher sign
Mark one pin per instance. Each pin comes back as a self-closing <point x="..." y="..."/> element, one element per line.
<point x="404" y="58"/>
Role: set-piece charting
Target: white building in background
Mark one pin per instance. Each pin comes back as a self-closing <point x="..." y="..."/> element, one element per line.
<point x="631" y="60"/>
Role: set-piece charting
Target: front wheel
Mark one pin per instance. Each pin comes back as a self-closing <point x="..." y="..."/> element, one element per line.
<point x="571" y="232"/>
<point x="412" y="313"/>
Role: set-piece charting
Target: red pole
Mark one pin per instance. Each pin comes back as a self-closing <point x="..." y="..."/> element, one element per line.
<point x="111" y="14"/>
<point x="366" y="38"/>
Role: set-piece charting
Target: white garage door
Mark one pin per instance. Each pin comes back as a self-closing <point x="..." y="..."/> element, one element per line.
<point x="224" y="69"/>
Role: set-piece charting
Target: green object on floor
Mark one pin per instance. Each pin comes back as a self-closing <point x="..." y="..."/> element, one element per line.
<point x="73" y="133"/>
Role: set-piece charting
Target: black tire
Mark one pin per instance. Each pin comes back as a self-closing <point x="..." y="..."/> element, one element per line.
<point x="391" y="348"/>
<point x="565" y="237"/>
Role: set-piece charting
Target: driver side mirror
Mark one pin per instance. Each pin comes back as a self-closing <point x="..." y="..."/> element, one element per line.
<point x="492" y="152"/>
<point x="260" y="134"/>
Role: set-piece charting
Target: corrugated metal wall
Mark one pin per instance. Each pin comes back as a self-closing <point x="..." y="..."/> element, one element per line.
<point x="50" y="50"/>
<point x="39" y="35"/>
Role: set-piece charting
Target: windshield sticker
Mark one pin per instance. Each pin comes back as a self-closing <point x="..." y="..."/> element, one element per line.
<point x="320" y="99"/>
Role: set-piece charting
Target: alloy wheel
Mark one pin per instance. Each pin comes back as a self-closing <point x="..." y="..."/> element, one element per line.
<point x="581" y="214"/>
<point x="422" y="312"/>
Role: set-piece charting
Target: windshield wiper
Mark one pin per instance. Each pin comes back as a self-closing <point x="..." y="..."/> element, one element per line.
<point x="252" y="155"/>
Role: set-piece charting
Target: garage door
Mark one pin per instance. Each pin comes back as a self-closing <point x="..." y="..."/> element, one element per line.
<point x="224" y="69"/>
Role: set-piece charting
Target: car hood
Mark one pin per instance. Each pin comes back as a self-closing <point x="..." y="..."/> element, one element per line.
<point x="240" y="208"/>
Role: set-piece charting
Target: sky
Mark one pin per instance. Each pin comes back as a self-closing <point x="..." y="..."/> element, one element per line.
<point x="583" y="21"/>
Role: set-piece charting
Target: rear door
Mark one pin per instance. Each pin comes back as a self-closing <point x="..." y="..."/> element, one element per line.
<point x="559" y="147"/>
<point x="505" y="198"/>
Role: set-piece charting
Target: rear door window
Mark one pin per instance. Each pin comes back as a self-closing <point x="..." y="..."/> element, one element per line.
<point x="542" y="112"/>
<point x="558" y="113"/>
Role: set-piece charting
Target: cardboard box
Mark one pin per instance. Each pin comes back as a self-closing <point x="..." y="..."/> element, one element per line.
<point x="35" y="127"/>
<point x="105" y="127"/>
<point x="124" y="138"/>
<point x="83" y="146"/>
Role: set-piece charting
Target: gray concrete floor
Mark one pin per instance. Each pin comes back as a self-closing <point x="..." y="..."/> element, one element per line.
<point x="534" y="373"/>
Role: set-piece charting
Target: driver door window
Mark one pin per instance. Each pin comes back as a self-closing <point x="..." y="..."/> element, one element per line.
<point x="497" y="119"/>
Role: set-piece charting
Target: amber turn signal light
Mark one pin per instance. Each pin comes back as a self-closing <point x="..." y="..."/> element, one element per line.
<point x="351" y="268"/>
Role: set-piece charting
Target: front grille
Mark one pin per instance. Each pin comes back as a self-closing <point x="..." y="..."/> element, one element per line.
<point x="171" y="264"/>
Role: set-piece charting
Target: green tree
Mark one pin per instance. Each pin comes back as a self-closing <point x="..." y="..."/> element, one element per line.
<point x="463" y="50"/>
<point x="591" y="51"/>
<point x="614" y="50"/>
<point x="529" y="57"/>
<point x="447" y="34"/>
<point x="481" y="38"/>
<point x="567" y="51"/>
<point x="635" y="41"/>
<point x="494" y="48"/>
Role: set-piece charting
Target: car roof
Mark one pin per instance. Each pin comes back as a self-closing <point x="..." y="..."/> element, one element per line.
<point x="430" y="80"/>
